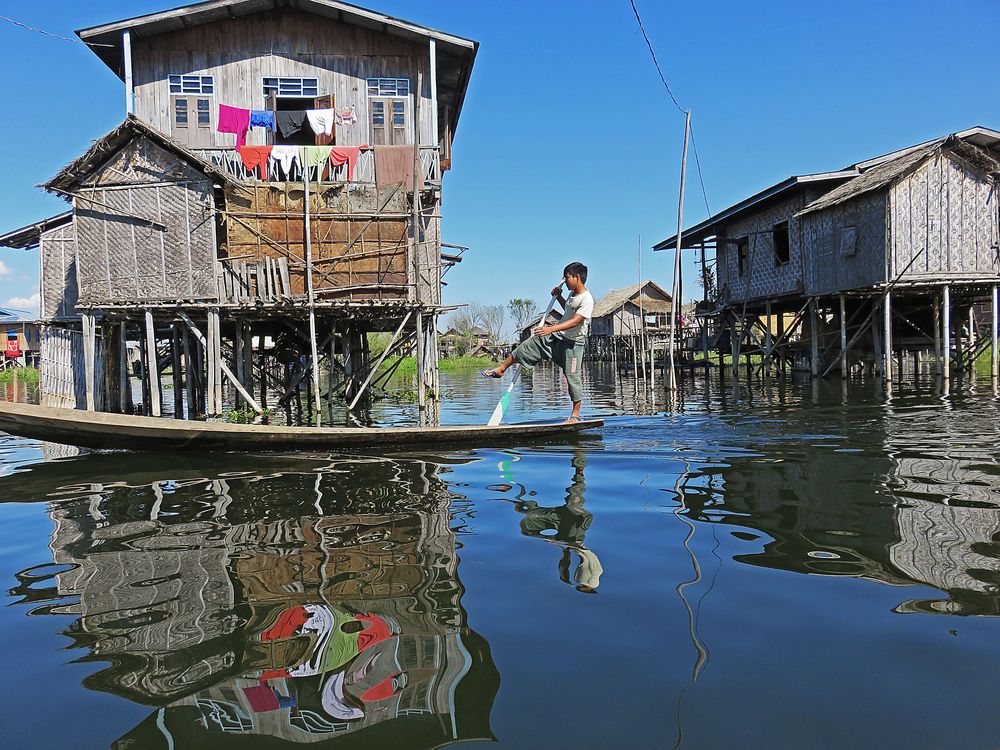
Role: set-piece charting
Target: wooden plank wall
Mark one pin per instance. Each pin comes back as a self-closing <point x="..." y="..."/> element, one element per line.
<point x="952" y="210"/>
<point x="239" y="53"/>
<point x="58" y="271"/>
<point x="265" y="226"/>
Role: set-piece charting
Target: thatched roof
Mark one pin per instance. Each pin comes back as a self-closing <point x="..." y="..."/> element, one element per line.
<point x="613" y="300"/>
<point x="888" y="172"/>
<point x="108" y="145"/>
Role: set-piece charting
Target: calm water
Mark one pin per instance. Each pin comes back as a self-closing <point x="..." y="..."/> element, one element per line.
<point x="784" y="567"/>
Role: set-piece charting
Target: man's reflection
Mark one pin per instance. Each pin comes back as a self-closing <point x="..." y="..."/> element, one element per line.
<point x="565" y="525"/>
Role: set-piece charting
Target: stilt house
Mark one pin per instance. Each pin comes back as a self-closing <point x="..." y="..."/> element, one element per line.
<point x="249" y="274"/>
<point x="876" y="257"/>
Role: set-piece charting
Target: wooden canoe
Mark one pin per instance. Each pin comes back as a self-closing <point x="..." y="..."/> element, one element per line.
<point x="100" y="430"/>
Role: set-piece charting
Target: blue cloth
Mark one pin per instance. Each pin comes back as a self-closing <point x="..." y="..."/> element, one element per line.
<point x="262" y="118"/>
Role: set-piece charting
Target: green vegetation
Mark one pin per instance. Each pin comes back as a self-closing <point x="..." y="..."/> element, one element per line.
<point x="23" y="374"/>
<point x="246" y="415"/>
<point x="447" y="364"/>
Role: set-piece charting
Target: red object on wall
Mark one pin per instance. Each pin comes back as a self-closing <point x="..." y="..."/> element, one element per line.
<point x="13" y="350"/>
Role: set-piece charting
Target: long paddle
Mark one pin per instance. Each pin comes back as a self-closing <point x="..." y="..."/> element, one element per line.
<point x="505" y="399"/>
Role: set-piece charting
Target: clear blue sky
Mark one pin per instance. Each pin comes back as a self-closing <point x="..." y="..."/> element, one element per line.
<point x="568" y="147"/>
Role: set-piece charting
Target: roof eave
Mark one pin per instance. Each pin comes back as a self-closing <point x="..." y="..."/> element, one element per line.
<point x="28" y="236"/>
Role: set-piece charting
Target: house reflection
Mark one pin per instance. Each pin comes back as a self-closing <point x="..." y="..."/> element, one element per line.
<point x="895" y="514"/>
<point x="300" y="604"/>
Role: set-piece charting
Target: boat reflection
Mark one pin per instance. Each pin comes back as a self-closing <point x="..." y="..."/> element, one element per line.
<point x="299" y="601"/>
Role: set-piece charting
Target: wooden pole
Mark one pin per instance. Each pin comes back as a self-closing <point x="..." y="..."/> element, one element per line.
<point x="190" y="367"/>
<point x="153" y="367"/>
<point x="675" y="289"/>
<point x="843" y="336"/>
<point x="946" y="333"/>
<point x="813" y="338"/>
<point x="973" y="339"/>
<point x="210" y="406"/>
<point x="209" y="344"/>
<point x="238" y="356"/>
<point x="129" y="88"/>
<point x="89" y="355"/>
<point x="937" y="334"/>
<point x="768" y="342"/>
<point x="175" y="366"/>
<point x="994" y="353"/>
<point x="124" y="382"/>
<point x="314" y="353"/>
<point x="704" y="299"/>
<point x="887" y="338"/>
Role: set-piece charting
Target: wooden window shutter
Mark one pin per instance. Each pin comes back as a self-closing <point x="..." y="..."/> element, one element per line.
<point x="398" y="115"/>
<point x="378" y="118"/>
<point x="322" y="139"/>
<point x="181" y="115"/>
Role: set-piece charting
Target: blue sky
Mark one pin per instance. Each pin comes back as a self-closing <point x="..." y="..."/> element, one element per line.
<point x="568" y="148"/>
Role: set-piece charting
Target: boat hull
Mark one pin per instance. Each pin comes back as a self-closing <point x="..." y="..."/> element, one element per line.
<point x="117" y="431"/>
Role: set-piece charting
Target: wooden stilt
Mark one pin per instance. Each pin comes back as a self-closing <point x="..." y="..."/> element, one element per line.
<point x="421" y="394"/>
<point x="994" y="353"/>
<point x="124" y="381"/>
<point x="155" y="393"/>
<point x="175" y="366"/>
<point x="887" y="337"/>
<point x="211" y="406"/>
<point x="768" y="342"/>
<point x="813" y="338"/>
<point x="973" y="339"/>
<point x="938" y="354"/>
<point x="89" y="357"/>
<point x="843" y="336"/>
<point x="876" y="340"/>
<point x="946" y="333"/>
<point x="240" y="363"/>
<point x="190" y="378"/>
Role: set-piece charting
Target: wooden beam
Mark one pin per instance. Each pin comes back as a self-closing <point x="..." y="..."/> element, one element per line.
<point x="153" y="367"/>
<point x="225" y="368"/>
<point x="89" y="356"/>
<point x="378" y="362"/>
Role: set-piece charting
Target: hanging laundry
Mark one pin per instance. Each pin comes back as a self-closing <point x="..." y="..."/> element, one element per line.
<point x="262" y="118"/>
<point x="345" y="116"/>
<point x="348" y="155"/>
<point x="256" y="156"/>
<point x="234" y="120"/>
<point x="394" y="164"/>
<point x="290" y="121"/>
<point x="320" y="120"/>
<point x="286" y="156"/>
<point x="317" y="156"/>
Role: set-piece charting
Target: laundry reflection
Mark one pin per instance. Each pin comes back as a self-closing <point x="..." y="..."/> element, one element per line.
<point x="300" y="601"/>
<point x="565" y="525"/>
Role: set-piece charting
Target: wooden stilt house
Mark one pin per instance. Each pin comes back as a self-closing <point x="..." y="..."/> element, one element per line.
<point x="247" y="272"/>
<point x="886" y="257"/>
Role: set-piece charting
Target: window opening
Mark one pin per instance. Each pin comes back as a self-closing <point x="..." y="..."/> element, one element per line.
<point x="388" y="87"/>
<point x="182" y="84"/>
<point x="282" y="86"/>
<point x="782" y="251"/>
<point x="743" y="254"/>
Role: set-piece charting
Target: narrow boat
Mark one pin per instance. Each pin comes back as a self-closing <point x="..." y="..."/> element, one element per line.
<point x="119" y="431"/>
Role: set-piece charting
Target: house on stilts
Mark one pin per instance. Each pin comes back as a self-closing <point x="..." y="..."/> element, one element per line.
<point x="249" y="269"/>
<point x="867" y="265"/>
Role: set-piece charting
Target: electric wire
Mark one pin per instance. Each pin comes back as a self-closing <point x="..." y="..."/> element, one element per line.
<point x="50" y="34"/>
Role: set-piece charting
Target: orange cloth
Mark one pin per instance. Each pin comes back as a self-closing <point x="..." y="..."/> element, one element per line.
<point x="346" y="155"/>
<point x="256" y="156"/>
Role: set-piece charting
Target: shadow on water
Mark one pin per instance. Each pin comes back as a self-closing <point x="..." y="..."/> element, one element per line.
<point x="680" y="568"/>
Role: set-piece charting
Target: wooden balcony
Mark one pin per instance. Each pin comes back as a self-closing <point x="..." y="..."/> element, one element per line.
<point x="364" y="170"/>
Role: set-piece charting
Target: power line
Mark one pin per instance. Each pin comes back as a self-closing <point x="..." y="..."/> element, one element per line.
<point x="663" y="78"/>
<point x="50" y="34"/>
<point x="655" y="61"/>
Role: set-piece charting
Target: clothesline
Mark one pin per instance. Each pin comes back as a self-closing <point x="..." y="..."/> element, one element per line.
<point x="303" y="157"/>
<point x="287" y="123"/>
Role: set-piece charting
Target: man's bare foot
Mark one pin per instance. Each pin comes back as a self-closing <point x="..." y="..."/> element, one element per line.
<point x="573" y="418"/>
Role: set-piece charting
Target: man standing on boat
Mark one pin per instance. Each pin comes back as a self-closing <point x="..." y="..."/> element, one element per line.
<point x="563" y="342"/>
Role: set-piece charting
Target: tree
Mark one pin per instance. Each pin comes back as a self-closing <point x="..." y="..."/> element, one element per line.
<point x="492" y="319"/>
<point x="523" y="311"/>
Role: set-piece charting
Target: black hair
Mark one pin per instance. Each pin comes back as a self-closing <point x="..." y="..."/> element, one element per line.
<point x="576" y="269"/>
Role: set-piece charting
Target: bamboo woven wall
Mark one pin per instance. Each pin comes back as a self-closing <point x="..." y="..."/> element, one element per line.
<point x="951" y="210"/>
<point x="359" y="252"/>
<point x="145" y="230"/>
<point x="845" y="245"/>
<point x="58" y="266"/>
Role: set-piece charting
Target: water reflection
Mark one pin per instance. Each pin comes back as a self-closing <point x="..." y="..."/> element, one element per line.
<point x="299" y="601"/>
<point x="564" y="525"/>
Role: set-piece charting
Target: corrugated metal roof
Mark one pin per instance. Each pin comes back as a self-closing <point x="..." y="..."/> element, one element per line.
<point x="27" y="237"/>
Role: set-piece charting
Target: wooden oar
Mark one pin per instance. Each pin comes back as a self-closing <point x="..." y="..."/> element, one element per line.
<point x="501" y="409"/>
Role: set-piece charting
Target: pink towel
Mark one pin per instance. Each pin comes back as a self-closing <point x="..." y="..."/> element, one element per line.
<point x="394" y="164"/>
<point x="346" y="155"/>
<point x="234" y="120"/>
